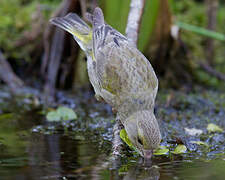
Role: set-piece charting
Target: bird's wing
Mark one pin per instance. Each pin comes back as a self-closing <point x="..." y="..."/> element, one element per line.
<point x="122" y="69"/>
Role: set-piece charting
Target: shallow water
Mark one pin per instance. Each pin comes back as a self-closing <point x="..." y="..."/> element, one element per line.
<point x="31" y="148"/>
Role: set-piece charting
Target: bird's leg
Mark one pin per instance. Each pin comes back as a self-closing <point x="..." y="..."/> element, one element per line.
<point x="117" y="142"/>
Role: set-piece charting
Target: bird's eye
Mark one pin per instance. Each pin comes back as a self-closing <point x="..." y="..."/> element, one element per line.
<point x="139" y="141"/>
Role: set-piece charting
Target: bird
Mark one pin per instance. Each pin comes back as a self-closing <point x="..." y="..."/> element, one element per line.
<point x="120" y="75"/>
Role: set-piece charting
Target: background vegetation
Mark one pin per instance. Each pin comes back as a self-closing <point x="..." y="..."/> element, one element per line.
<point x="24" y="33"/>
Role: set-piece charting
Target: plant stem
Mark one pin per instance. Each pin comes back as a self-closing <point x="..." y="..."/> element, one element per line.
<point x="134" y="20"/>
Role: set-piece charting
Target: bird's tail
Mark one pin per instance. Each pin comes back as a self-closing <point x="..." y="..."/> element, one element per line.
<point x="73" y="24"/>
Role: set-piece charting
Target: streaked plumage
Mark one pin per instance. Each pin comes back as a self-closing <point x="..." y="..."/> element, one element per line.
<point x="122" y="76"/>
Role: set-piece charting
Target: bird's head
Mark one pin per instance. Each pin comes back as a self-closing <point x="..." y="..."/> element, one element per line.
<point x="143" y="131"/>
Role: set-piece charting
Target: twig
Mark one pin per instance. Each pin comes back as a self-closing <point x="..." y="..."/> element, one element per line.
<point x="46" y="44"/>
<point x="55" y="56"/>
<point x="83" y="6"/>
<point x="134" y="20"/>
<point x="212" y="71"/>
<point x="7" y="74"/>
<point x="54" y="61"/>
<point x="47" y="36"/>
<point x="212" y="7"/>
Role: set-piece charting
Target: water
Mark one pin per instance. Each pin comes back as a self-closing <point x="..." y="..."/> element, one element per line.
<point x="56" y="156"/>
<point x="31" y="148"/>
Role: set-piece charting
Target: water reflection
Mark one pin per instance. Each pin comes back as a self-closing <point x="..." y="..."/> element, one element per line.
<point x="33" y="156"/>
<point x="44" y="157"/>
<point x="142" y="173"/>
<point x="58" y="156"/>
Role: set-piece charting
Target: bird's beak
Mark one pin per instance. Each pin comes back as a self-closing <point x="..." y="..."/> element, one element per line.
<point x="147" y="154"/>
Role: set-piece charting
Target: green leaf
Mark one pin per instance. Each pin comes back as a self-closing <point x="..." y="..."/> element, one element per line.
<point x="61" y="114"/>
<point x="124" y="137"/>
<point x="214" y="128"/>
<point x="202" y="31"/>
<point x="180" y="149"/>
<point x="53" y="116"/>
<point x="116" y="20"/>
<point x="66" y="113"/>
<point x="199" y="143"/>
<point x="161" y="151"/>
<point x="148" y="23"/>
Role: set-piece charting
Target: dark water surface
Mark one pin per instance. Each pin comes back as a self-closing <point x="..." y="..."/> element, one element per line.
<point x="31" y="148"/>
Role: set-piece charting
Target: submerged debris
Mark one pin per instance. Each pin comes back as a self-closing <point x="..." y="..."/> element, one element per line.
<point x="193" y="131"/>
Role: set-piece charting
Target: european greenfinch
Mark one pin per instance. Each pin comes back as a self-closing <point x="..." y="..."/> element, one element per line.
<point x="121" y="75"/>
